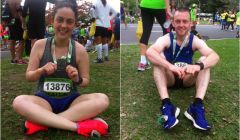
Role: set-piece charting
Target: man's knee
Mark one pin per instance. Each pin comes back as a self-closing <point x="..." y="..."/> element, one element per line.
<point x="163" y="73"/>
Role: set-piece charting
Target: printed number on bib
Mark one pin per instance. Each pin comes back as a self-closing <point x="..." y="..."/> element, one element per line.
<point x="180" y="64"/>
<point x="57" y="85"/>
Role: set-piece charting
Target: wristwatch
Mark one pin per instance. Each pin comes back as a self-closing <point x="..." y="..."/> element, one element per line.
<point x="200" y="64"/>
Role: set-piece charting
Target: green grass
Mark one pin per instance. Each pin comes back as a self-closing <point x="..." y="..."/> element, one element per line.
<point x="140" y="101"/>
<point x="104" y="78"/>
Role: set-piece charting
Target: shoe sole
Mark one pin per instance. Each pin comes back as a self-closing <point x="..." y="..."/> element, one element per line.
<point x="95" y="133"/>
<point x="192" y="119"/>
<point x="139" y="69"/>
<point x="100" y="119"/>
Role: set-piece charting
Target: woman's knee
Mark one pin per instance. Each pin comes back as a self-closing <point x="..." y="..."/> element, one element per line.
<point x="19" y="103"/>
<point x="102" y="100"/>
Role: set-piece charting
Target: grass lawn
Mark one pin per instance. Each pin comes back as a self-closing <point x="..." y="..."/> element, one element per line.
<point x="105" y="78"/>
<point x="140" y="101"/>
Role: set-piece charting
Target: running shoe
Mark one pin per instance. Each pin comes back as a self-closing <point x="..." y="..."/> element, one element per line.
<point x="21" y="62"/>
<point x="96" y="127"/>
<point x="143" y="67"/>
<point x="148" y="66"/>
<point x="170" y="114"/>
<point x="98" y="60"/>
<point x="196" y="114"/>
<point x="31" y="128"/>
<point x="13" y="61"/>
<point x="106" y="58"/>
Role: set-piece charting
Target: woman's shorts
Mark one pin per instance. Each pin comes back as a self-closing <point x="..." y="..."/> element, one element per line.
<point x="58" y="104"/>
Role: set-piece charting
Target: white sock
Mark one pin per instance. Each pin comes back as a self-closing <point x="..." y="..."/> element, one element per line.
<point x="99" y="51"/>
<point x="143" y="59"/>
<point x="105" y="49"/>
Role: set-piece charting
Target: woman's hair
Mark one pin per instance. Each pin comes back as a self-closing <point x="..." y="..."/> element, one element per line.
<point x="66" y="3"/>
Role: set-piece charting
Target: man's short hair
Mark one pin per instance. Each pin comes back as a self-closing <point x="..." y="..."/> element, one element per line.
<point x="183" y="9"/>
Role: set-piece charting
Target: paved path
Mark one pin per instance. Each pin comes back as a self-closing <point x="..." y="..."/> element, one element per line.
<point x="212" y="31"/>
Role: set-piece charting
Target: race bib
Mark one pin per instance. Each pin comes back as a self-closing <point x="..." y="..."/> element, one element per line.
<point x="180" y="64"/>
<point x="57" y="85"/>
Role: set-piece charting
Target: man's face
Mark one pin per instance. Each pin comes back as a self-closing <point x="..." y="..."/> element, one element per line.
<point x="181" y="22"/>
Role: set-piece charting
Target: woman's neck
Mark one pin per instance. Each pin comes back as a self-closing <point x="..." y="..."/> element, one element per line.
<point x="61" y="43"/>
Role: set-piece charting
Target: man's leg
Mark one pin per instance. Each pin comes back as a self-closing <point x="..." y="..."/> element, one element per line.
<point x="105" y="48"/>
<point x="164" y="78"/>
<point x="195" y="112"/>
<point x="147" y="21"/>
<point x="12" y="51"/>
<point x="98" y="41"/>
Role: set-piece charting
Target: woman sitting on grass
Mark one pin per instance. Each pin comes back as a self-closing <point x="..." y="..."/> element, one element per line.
<point x="60" y="65"/>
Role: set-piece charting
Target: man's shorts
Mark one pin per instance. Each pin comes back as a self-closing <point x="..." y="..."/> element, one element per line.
<point x="178" y="82"/>
<point x="16" y="31"/>
<point x="123" y="17"/>
<point x="58" y="104"/>
<point x="36" y="31"/>
<point x="101" y="31"/>
<point x="109" y="34"/>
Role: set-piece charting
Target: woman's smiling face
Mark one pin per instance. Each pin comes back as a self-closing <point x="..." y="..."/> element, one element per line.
<point x="64" y="22"/>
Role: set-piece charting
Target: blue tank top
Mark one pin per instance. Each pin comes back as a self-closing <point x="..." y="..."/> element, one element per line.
<point x="47" y="57"/>
<point x="185" y="55"/>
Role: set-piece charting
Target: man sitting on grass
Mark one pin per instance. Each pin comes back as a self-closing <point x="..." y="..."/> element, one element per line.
<point x="172" y="56"/>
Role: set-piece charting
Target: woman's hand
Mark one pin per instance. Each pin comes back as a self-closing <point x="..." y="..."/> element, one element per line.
<point x="49" y="68"/>
<point x="72" y="73"/>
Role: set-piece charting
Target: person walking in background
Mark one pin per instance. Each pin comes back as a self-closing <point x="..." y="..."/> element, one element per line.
<point x="15" y="31"/>
<point x="60" y="65"/>
<point x="172" y="57"/>
<point x="35" y="9"/>
<point x="193" y="13"/>
<point x="224" y="15"/>
<point x="172" y="9"/>
<point x="122" y="14"/>
<point x="102" y="10"/>
<point x="116" y="31"/>
<point x="149" y="11"/>
<point x="238" y="23"/>
<point x="230" y="20"/>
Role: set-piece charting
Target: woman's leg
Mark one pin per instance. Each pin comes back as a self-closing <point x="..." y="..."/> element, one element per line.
<point x="38" y="110"/>
<point x="86" y="106"/>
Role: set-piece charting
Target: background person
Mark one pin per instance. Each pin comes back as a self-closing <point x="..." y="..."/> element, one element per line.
<point x="35" y="9"/>
<point x="15" y="31"/>
<point x="149" y="11"/>
<point x="238" y="23"/>
<point x="102" y="10"/>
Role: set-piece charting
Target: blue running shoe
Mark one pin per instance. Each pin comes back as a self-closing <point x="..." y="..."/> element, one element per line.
<point x="170" y="114"/>
<point x="196" y="114"/>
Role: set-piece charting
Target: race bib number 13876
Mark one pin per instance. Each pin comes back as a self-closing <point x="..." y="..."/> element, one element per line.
<point x="57" y="85"/>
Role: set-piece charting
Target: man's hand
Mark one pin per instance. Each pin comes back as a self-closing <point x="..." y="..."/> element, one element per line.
<point x="72" y="73"/>
<point x="192" y="69"/>
<point x="178" y="70"/>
